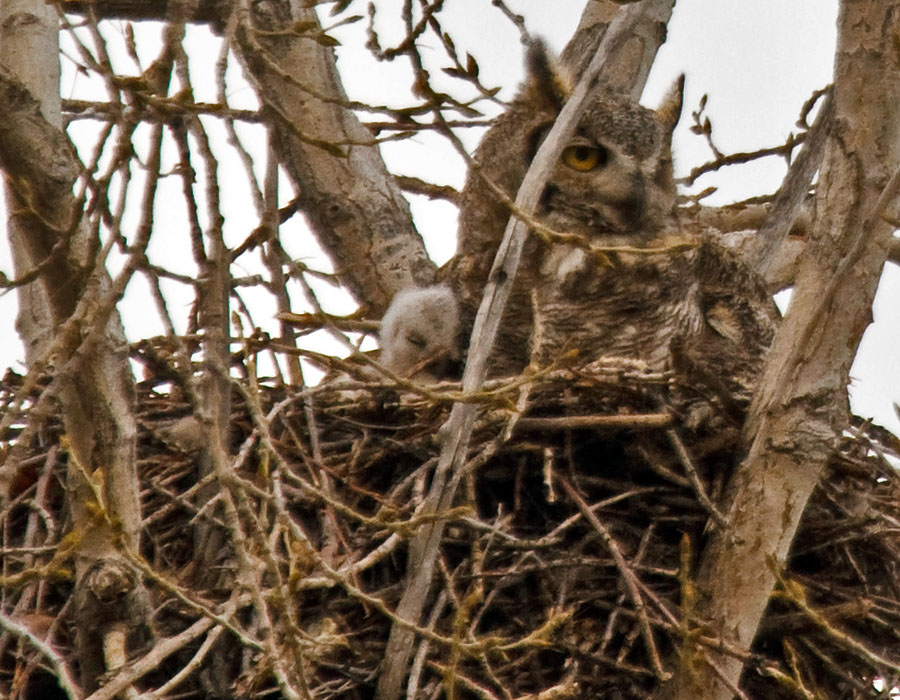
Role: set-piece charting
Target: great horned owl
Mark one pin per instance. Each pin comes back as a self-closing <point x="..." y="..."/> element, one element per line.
<point x="419" y="333"/>
<point x="613" y="181"/>
<point x="613" y="187"/>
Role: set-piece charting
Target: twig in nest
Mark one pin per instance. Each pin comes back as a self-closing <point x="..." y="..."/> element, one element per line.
<point x="634" y="421"/>
<point x="315" y="321"/>
<point x="655" y="462"/>
<point x="688" y="463"/>
<point x="631" y="580"/>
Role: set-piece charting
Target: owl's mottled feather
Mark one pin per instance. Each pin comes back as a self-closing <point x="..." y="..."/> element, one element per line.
<point x="677" y="292"/>
<point x="698" y="298"/>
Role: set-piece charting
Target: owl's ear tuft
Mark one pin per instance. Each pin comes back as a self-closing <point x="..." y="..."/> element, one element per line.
<point x="667" y="115"/>
<point x="669" y="111"/>
<point x="546" y="81"/>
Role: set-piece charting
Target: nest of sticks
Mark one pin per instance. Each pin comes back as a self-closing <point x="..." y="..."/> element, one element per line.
<point x="564" y="568"/>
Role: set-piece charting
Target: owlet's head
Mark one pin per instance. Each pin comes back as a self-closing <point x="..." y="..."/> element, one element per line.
<point x="419" y="333"/>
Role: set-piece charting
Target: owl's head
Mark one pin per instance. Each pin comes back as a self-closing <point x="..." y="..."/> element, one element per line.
<point x="614" y="179"/>
<point x="419" y="333"/>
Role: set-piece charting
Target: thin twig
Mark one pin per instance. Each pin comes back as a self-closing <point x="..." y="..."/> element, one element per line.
<point x="628" y="575"/>
<point x="694" y="476"/>
<point x="633" y="421"/>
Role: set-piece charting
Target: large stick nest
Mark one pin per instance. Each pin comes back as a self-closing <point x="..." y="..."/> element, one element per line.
<point x="565" y="569"/>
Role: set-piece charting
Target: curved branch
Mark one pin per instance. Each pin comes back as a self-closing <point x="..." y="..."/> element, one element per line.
<point x="800" y="407"/>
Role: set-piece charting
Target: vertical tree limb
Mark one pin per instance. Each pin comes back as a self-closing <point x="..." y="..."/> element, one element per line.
<point x="22" y="50"/>
<point x="801" y="405"/>
<point x="93" y="379"/>
<point x="791" y="196"/>
<point x="352" y="203"/>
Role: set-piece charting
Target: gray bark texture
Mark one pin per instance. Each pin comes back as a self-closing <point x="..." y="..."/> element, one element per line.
<point x="801" y="405"/>
<point x="19" y="47"/>
<point x="353" y="205"/>
<point x="629" y="69"/>
<point x="92" y="379"/>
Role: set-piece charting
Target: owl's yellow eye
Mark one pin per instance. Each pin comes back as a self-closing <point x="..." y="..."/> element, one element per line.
<point x="584" y="158"/>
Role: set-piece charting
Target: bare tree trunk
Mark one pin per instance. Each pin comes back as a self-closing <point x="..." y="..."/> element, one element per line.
<point x="630" y="67"/>
<point x="92" y="379"/>
<point x="801" y="405"/>
<point x="22" y="50"/>
<point x="352" y="203"/>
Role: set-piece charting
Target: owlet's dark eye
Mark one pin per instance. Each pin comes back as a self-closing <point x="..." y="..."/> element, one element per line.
<point x="584" y="158"/>
<point x="416" y="340"/>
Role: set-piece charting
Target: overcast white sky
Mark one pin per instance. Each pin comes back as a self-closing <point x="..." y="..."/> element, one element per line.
<point x="758" y="62"/>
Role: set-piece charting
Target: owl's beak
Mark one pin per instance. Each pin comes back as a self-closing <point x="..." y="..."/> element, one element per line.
<point x="633" y="207"/>
<point x="550" y="191"/>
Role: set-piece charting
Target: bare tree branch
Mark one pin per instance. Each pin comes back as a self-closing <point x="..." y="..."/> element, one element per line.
<point x="352" y="203"/>
<point x="800" y="406"/>
<point x="792" y="193"/>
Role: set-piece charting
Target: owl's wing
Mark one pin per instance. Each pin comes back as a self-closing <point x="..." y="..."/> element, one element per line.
<point x="736" y="301"/>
